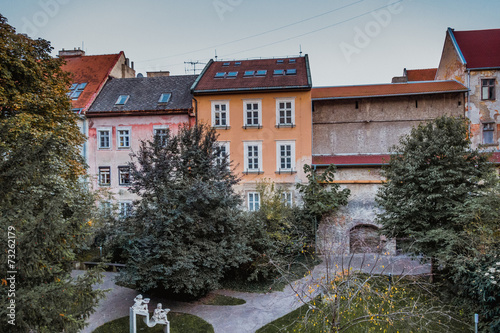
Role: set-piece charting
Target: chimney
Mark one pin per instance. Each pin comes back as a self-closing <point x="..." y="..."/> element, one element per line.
<point x="157" y="74"/>
<point x="71" y="53"/>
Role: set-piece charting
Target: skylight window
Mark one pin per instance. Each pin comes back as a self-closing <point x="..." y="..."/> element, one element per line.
<point x="226" y="64"/>
<point x="76" y="90"/>
<point x="164" y="98"/>
<point x="232" y="75"/>
<point x="122" y="99"/>
<point x="279" y="61"/>
<point x="261" y="72"/>
<point x="220" y="75"/>
<point x="292" y="71"/>
<point x="279" y="72"/>
<point x="238" y="63"/>
<point x="248" y="73"/>
<point x="292" y="61"/>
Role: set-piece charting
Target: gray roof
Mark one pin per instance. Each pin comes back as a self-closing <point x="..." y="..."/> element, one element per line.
<point x="144" y="93"/>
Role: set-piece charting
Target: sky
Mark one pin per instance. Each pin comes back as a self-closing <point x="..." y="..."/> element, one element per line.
<point x="349" y="42"/>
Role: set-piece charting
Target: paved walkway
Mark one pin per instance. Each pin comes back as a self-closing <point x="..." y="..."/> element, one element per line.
<point x="259" y="309"/>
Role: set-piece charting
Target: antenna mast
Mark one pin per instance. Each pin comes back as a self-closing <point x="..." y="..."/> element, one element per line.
<point x="193" y="63"/>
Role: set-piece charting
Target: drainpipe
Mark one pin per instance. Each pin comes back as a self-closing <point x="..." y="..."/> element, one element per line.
<point x="468" y="101"/>
<point x="195" y="110"/>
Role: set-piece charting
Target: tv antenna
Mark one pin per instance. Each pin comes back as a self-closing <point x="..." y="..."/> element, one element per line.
<point x="192" y="63"/>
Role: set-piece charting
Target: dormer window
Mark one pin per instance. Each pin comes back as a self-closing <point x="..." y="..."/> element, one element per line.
<point x="122" y="99"/>
<point x="76" y="90"/>
<point x="164" y="98"/>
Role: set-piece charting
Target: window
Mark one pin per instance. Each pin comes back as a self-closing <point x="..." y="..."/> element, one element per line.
<point x="232" y="75"/>
<point x="292" y="61"/>
<point x="124" y="175"/>
<point x="123" y="138"/>
<point x="226" y="64"/>
<point x="164" y="98"/>
<point x="253" y="156"/>
<point x="487" y="89"/>
<point x="238" y="63"/>
<point x="220" y="75"/>
<point x="292" y="71"/>
<point x="253" y="201"/>
<point x="252" y="113"/>
<point x="222" y="153"/>
<point x="285" y="158"/>
<point x="104" y="138"/>
<point x="488" y="133"/>
<point x="104" y="176"/>
<point x="279" y="61"/>
<point x="161" y="134"/>
<point x="76" y="90"/>
<point x="122" y="99"/>
<point x="105" y="207"/>
<point x="285" y="112"/>
<point x="220" y="114"/>
<point x="262" y="72"/>
<point x="248" y="73"/>
<point x="286" y="197"/>
<point x="279" y="72"/>
<point x="125" y="208"/>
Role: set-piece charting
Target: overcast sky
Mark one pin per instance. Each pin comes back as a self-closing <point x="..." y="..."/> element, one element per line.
<point x="349" y="42"/>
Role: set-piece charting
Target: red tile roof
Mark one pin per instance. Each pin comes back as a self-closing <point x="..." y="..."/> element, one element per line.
<point x="351" y="160"/>
<point x="421" y="74"/>
<point x="480" y="48"/>
<point x="209" y="84"/>
<point x="93" y="70"/>
<point x="389" y="89"/>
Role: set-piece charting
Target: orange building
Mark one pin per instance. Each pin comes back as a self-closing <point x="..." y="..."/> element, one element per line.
<point x="261" y="110"/>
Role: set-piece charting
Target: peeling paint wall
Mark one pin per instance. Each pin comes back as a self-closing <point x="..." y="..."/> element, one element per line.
<point x="339" y="128"/>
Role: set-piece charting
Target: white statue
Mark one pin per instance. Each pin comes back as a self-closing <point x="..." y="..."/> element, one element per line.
<point x="141" y="305"/>
<point x="160" y="315"/>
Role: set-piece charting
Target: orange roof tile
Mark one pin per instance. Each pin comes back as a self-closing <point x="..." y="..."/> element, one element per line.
<point x="421" y="74"/>
<point x="93" y="70"/>
<point x="389" y="89"/>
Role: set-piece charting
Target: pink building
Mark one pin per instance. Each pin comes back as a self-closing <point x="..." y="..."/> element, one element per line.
<point x="126" y="112"/>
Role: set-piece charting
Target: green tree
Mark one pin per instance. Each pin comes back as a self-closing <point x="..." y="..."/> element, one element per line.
<point x="43" y="202"/>
<point x="185" y="232"/>
<point x="442" y="196"/>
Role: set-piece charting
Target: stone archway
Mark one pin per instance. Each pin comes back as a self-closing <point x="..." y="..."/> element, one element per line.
<point x="365" y="238"/>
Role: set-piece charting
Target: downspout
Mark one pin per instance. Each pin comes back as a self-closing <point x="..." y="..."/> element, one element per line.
<point x="195" y="110"/>
<point x="468" y="100"/>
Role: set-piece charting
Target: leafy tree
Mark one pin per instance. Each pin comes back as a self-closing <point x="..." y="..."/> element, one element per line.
<point x="43" y="201"/>
<point x="186" y="230"/>
<point x="429" y="177"/>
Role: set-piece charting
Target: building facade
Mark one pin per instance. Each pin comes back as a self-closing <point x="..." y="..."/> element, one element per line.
<point x="126" y="112"/>
<point x="354" y="128"/>
<point x="261" y="110"/>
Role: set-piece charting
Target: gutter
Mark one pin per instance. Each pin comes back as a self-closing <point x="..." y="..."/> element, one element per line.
<point x="457" y="48"/>
<point x="239" y="90"/>
<point x="95" y="114"/>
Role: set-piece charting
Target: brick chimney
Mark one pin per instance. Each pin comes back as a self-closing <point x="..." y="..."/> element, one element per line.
<point x="71" y="53"/>
<point x="156" y="74"/>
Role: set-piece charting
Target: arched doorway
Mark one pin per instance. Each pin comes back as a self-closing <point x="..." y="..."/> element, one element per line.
<point x="365" y="238"/>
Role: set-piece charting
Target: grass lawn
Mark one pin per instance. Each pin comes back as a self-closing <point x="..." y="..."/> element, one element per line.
<point x="179" y="323"/>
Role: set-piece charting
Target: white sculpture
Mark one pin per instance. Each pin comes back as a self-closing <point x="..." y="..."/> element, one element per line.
<point x="140" y="307"/>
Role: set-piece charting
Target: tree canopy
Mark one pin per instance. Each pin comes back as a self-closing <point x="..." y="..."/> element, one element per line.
<point x="43" y="200"/>
<point x="185" y="230"/>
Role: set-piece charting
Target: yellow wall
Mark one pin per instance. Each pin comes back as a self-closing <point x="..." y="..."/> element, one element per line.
<point x="236" y="135"/>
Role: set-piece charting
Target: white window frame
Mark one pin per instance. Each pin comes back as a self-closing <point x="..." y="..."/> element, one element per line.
<point x="122" y="208"/>
<point x="119" y="136"/>
<point x="226" y="146"/>
<point x="120" y="168"/>
<point x="99" y="176"/>
<point x="287" y="198"/>
<point x="285" y="100"/>
<point x="253" y="144"/>
<point x="110" y="138"/>
<point x="159" y="127"/>
<point x="259" y="113"/>
<point x="253" y="201"/>
<point x="280" y="144"/>
<point x="214" y="104"/>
